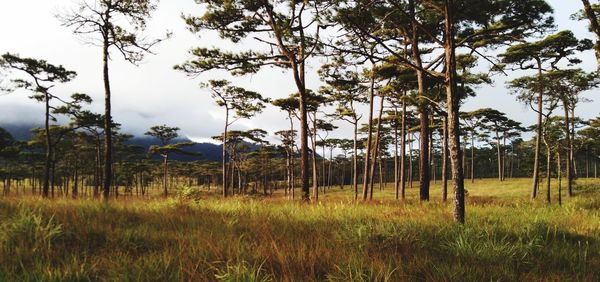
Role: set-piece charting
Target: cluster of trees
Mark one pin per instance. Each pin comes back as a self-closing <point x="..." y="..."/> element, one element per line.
<point x="411" y="63"/>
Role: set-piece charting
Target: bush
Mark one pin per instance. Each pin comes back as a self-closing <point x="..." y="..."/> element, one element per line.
<point x="189" y="194"/>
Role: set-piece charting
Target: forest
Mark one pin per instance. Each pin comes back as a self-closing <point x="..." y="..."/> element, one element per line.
<point x="379" y="175"/>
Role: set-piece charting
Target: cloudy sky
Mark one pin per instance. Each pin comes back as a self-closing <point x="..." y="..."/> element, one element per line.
<point x="154" y="93"/>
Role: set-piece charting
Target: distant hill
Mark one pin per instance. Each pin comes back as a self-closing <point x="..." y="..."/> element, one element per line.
<point x="207" y="151"/>
<point x="20" y="131"/>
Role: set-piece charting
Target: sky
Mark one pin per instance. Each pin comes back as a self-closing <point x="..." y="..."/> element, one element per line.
<point x="154" y="93"/>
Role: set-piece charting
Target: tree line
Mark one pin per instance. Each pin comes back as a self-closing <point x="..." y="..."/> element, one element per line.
<point x="411" y="63"/>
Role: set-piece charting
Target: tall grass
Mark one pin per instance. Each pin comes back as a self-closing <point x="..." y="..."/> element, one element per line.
<point x="204" y="238"/>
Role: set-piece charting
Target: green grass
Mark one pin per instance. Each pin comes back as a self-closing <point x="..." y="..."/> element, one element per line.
<point x="507" y="237"/>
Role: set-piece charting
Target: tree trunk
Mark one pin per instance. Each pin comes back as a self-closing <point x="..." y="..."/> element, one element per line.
<point x="424" y="173"/>
<point x="536" y="160"/>
<point x="569" y="176"/>
<point x="559" y="174"/>
<point x="548" y="176"/>
<point x="499" y="155"/>
<point x="224" y="154"/>
<point x="453" y="102"/>
<point x="108" y="175"/>
<point x="376" y="149"/>
<point x="49" y="153"/>
<point x="473" y="156"/>
<point x="75" y="190"/>
<point x="445" y="160"/>
<point x="403" y="150"/>
<point x="315" y="169"/>
<point x="410" y="161"/>
<point x="369" y="140"/>
<point x="166" y="174"/>
<point x="571" y="156"/>
<point x="396" y="164"/>
<point x="355" y="161"/>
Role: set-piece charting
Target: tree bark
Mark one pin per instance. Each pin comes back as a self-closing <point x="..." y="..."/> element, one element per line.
<point x="453" y="103"/>
<point x="315" y="169"/>
<point x="445" y="160"/>
<point x="108" y="176"/>
<point x="355" y="160"/>
<point x="536" y="160"/>
<point x="403" y="151"/>
<point x="396" y="164"/>
<point x="369" y="140"/>
<point x="49" y="153"/>
<point x="224" y="153"/>
<point x="473" y="156"/>
<point x="559" y="174"/>
<point x="569" y="175"/>
<point x="376" y="149"/>
<point x="499" y="156"/>
<point x="424" y="173"/>
<point x="300" y="84"/>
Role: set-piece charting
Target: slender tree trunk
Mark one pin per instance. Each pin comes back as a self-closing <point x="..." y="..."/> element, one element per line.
<point x="559" y="174"/>
<point x="499" y="155"/>
<point x="472" y="157"/>
<point x="424" y="173"/>
<point x="571" y="156"/>
<point x="403" y="150"/>
<point x="292" y="157"/>
<point x="432" y="164"/>
<point x="224" y="154"/>
<point x="299" y="78"/>
<point x="538" y="138"/>
<point x="166" y="174"/>
<point x="453" y="103"/>
<point x="355" y="160"/>
<point x="324" y="168"/>
<point x="569" y="176"/>
<point x="108" y="150"/>
<point x="548" y="176"/>
<point x="49" y="152"/>
<point x="75" y="190"/>
<point x="595" y="168"/>
<point x="97" y="170"/>
<point x="376" y="149"/>
<point x="396" y="164"/>
<point x="315" y="169"/>
<point x="504" y="157"/>
<point x="410" y="161"/>
<point x="369" y="139"/>
<point x="445" y="160"/>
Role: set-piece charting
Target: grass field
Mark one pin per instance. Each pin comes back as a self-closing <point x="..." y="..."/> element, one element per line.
<point x="507" y="237"/>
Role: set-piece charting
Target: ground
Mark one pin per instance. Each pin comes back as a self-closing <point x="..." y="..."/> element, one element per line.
<point x="200" y="237"/>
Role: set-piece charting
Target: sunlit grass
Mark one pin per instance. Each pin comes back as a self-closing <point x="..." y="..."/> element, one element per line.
<point x="251" y="238"/>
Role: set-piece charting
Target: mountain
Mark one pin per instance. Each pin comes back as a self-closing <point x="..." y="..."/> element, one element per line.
<point x="207" y="151"/>
<point x="20" y="131"/>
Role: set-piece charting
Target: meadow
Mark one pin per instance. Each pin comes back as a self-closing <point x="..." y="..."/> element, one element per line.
<point x="196" y="236"/>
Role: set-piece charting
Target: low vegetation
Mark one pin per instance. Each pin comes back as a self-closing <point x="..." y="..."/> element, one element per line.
<point x="198" y="236"/>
